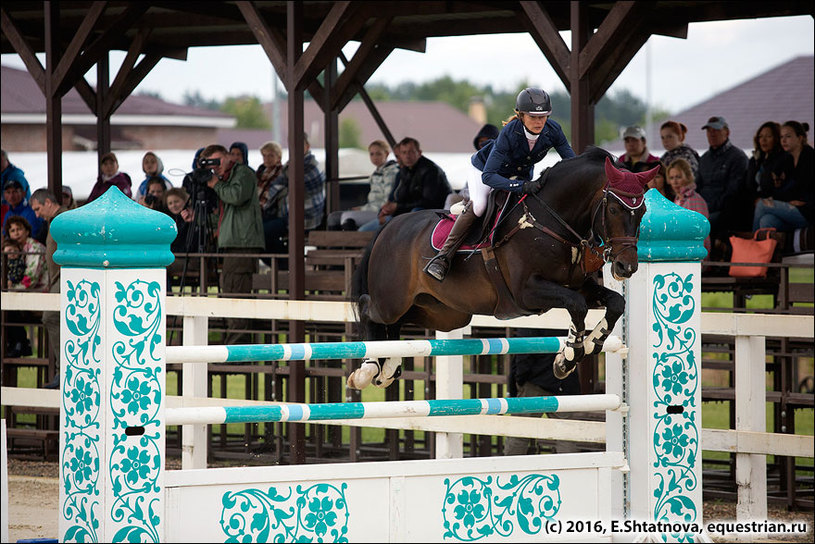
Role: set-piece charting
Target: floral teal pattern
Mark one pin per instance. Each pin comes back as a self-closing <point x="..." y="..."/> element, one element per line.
<point x="675" y="382"/>
<point x="475" y="508"/>
<point x="135" y="461"/>
<point x="81" y="388"/>
<point x="318" y="513"/>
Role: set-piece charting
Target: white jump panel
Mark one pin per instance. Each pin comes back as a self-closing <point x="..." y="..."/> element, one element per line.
<point x="451" y="500"/>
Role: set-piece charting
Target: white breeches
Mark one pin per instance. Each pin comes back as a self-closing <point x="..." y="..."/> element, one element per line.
<point x="479" y="191"/>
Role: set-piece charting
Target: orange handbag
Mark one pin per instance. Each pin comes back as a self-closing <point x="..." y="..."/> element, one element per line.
<point x="752" y="250"/>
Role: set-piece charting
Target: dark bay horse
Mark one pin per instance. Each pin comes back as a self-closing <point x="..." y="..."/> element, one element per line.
<point x="546" y="249"/>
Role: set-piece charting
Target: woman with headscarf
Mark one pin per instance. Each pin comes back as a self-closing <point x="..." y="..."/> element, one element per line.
<point x="152" y="167"/>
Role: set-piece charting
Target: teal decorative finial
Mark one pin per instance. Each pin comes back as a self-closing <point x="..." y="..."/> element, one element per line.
<point x="669" y="232"/>
<point x="113" y="231"/>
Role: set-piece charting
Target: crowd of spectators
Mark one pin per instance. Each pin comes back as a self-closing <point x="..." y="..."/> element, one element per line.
<point x="739" y="195"/>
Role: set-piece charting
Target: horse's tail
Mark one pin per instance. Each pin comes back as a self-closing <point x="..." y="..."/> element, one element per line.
<point x="359" y="286"/>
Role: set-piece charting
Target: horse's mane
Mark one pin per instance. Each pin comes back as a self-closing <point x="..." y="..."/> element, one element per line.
<point x="592" y="158"/>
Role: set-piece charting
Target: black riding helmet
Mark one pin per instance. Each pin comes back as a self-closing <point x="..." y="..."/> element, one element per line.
<point x="533" y="101"/>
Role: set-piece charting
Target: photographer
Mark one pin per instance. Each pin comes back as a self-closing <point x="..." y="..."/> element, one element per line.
<point x="240" y="229"/>
<point x="154" y="197"/>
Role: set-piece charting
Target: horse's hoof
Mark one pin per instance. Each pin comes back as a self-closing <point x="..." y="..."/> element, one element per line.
<point x="364" y="375"/>
<point x="391" y="370"/>
<point x="561" y="367"/>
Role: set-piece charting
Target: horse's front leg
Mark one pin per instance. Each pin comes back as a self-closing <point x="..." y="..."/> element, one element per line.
<point x="380" y="372"/>
<point x="614" y="303"/>
<point x="544" y="294"/>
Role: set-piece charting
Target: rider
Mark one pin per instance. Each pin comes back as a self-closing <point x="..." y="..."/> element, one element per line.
<point x="505" y="163"/>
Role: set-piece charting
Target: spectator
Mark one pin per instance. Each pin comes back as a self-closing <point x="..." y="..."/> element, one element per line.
<point x="381" y="183"/>
<point x="680" y="177"/>
<point x="68" y="198"/>
<point x="506" y="163"/>
<point x="26" y="272"/>
<point x="314" y="199"/>
<point x="240" y="229"/>
<point x="154" y="199"/>
<point x="530" y="375"/>
<point x="272" y="194"/>
<point x="660" y="183"/>
<point x="721" y="173"/>
<point x="766" y="160"/>
<point x="239" y="152"/>
<point x="488" y="132"/>
<point x="422" y="185"/>
<point x="672" y="134"/>
<point x="17" y="205"/>
<point x="200" y="194"/>
<point x="152" y="167"/>
<point x="45" y="205"/>
<point x="11" y="172"/>
<point x="792" y="204"/>
<point x="110" y="176"/>
<point x="187" y="240"/>
<point x="636" y="158"/>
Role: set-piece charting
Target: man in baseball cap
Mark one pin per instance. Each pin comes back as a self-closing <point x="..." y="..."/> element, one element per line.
<point x="637" y="158"/>
<point x="721" y="171"/>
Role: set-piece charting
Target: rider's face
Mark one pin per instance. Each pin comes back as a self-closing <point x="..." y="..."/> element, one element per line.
<point x="534" y="123"/>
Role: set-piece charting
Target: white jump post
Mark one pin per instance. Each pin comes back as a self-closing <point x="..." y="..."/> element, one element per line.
<point x="660" y="380"/>
<point x="113" y="254"/>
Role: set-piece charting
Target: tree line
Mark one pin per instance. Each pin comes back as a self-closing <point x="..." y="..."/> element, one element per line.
<point x="612" y="112"/>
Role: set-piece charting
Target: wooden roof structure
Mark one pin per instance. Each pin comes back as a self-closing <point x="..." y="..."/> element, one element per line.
<point x="77" y="35"/>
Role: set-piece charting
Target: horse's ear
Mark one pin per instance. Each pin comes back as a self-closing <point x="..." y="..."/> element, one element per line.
<point x="614" y="176"/>
<point x="645" y="177"/>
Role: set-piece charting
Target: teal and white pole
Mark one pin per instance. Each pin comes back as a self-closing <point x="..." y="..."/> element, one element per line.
<point x="113" y="253"/>
<point x="660" y="380"/>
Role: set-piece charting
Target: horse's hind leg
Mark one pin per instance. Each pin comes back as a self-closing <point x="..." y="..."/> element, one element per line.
<point x="379" y="372"/>
<point x="614" y="304"/>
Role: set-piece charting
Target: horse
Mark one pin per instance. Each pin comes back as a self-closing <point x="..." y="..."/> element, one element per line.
<point x="543" y="255"/>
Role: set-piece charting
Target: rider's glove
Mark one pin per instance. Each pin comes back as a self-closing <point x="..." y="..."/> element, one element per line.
<point x="530" y="187"/>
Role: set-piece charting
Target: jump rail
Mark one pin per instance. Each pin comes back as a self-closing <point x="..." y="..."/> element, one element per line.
<point x="374" y="349"/>
<point x="363" y="410"/>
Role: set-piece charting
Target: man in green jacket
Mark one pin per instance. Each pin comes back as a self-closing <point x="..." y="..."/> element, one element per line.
<point x="240" y="229"/>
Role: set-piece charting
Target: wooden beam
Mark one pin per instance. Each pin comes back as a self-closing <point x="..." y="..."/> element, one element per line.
<point x="615" y="28"/>
<point x="366" y="47"/>
<point x="272" y="42"/>
<point x="53" y="99"/>
<point x="615" y="61"/>
<point x="380" y="121"/>
<point x="135" y="77"/>
<point x="341" y="23"/>
<point x="86" y="92"/>
<point x="21" y="46"/>
<point x="546" y="35"/>
<point x="77" y="43"/>
<point x="103" y="44"/>
<point x="136" y="48"/>
<point x="370" y="64"/>
<point x="582" y="109"/>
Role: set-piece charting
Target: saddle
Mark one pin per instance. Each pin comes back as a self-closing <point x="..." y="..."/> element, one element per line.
<point x="481" y="238"/>
<point x="481" y="234"/>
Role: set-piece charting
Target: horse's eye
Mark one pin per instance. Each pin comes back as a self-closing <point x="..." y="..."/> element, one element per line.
<point x="612" y="210"/>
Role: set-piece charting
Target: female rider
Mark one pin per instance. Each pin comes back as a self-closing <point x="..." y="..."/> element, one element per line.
<point x="505" y="163"/>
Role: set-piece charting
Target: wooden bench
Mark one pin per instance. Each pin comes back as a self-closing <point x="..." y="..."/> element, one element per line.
<point x="330" y="261"/>
<point x="45" y="439"/>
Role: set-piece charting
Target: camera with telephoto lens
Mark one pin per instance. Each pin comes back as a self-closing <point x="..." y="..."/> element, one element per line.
<point x="149" y="199"/>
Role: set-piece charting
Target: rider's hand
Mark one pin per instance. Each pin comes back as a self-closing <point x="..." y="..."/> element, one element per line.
<point x="530" y="187"/>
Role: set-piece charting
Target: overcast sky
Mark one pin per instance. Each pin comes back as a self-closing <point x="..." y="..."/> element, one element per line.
<point x="714" y="57"/>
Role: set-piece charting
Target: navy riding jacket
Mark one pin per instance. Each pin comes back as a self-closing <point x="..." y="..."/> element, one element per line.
<point x="509" y="155"/>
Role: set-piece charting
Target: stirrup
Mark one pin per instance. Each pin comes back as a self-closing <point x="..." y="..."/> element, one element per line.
<point x="437" y="267"/>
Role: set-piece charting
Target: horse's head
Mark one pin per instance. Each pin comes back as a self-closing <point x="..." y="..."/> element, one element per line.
<point x="623" y="206"/>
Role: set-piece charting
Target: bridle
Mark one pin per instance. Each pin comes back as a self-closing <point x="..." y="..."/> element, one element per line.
<point x="586" y="249"/>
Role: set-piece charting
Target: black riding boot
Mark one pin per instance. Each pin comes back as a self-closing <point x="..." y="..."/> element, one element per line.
<point x="440" y="264"/>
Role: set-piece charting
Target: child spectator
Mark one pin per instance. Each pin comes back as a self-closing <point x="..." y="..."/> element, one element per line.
<point x="680" y="178"/>
<point x="15" y="264"/>
<point x="239" y="152"/>
<point x="154" y="199"/>
<point x="152" y="167"/>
